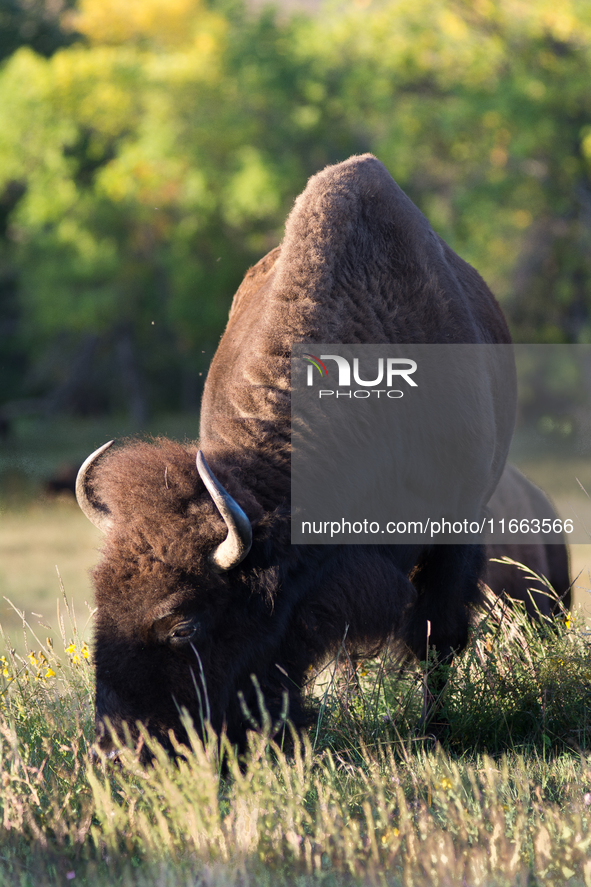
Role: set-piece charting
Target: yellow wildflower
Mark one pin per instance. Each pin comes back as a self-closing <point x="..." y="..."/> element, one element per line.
<point x="388" y="834"/>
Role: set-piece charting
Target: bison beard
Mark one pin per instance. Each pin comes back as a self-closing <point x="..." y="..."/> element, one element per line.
<point x="358" y="264"/>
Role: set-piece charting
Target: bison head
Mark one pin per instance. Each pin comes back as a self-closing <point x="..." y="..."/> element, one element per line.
<point x="170" y="589"/>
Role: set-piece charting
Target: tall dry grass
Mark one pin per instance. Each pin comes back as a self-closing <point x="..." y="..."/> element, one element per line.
<point x="504" y="798"/>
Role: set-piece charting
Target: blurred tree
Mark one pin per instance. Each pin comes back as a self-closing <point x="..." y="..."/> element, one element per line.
<point x="482" y="110"/>
<point x="159" y="161"/>
<point x="34" y="23"/>
<point x="12" y="355"/>
<point x="146" y="167"/>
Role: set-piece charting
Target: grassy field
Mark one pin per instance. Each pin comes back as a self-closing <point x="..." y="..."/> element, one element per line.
<point x="503" y="799"/>
<point x="365" y="798"/>
<point x="36" y="542"/>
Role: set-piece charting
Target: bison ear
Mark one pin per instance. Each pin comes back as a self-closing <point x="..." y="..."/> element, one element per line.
<point x="238" y="542"/>
<point x="97" y="513"/>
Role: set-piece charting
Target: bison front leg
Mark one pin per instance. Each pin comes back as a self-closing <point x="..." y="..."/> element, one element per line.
<point x="447" y="581"/>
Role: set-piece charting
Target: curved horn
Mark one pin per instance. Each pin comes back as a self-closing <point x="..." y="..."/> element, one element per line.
<point x="96" y="513"/>
<point x="237" y="543"/>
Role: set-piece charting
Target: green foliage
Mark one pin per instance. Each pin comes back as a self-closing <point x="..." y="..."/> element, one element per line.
<point x="519" y="686"/>
<point x="522" y="685"/>
<point x="154" y="159"/>
<point x="483" y="118"/>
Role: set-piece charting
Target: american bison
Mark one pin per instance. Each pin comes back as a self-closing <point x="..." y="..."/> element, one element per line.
<point x="516" y="496"/>
<point x="199" y="587"/>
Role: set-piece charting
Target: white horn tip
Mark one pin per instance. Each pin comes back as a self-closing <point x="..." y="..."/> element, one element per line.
<point x="96" y="515"/>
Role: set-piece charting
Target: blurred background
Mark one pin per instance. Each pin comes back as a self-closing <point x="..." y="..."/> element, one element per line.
<point x="150" y="151"/>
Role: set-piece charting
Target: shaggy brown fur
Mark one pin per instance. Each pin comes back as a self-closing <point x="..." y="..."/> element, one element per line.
<point x="359" y="264"/>
<point x="516" y="496"/>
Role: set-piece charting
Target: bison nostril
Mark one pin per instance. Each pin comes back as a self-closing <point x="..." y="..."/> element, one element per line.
<point x="100" y="755"/>
<point x="113" y="759"/>
<point x="105" y="748"/>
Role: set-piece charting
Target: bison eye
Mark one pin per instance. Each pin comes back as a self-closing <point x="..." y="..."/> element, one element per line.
<point x="183" y="634"/>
